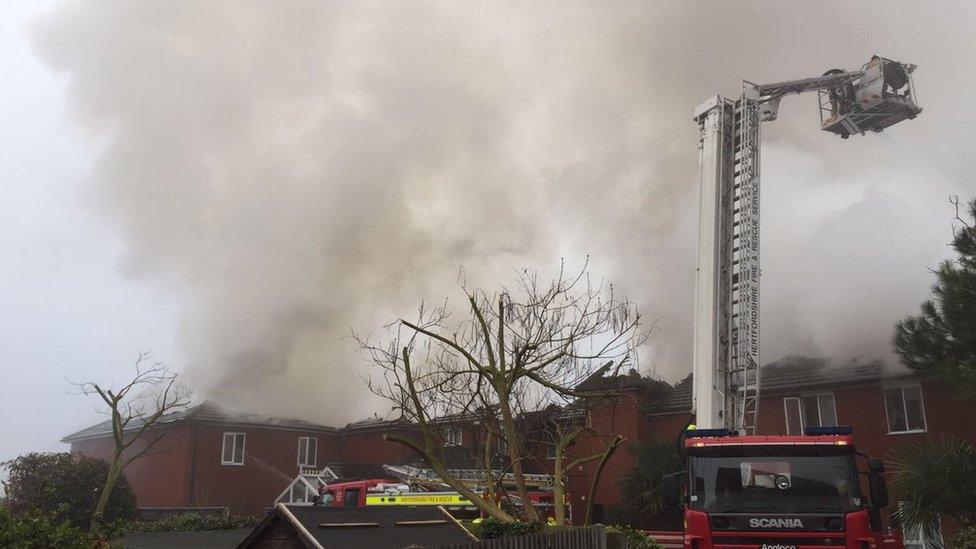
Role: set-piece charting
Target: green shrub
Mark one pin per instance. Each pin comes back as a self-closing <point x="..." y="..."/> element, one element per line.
<point x="192" y="522"/>
<point x="965" y="538"/>
<point x="635" y="538"/>
<point x="491" y="528"/>
<point x="36" y="530"/>
<point x="640" y="488"/>
<point x="65" y="486"/>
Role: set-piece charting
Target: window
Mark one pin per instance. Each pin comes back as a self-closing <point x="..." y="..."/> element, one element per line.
<point x="794" y="421"/>
<point x="915" y="538"/>
<point x="307" y="451"/>
<point x="233" y="450"/>
<point x="452" y="436"/>
<point x="300" y="493"/>
<point x="809" y="411"/>
<point x="551" y="442"/>
<point x="351" y="497"/>
<point x="501" y="445"/>
<point x="724" y="479"/>
<point x="906" y="413"/>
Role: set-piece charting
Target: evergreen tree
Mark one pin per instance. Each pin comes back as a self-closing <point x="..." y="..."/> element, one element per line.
<point x="64" y="487"/>
<point x="641" y="486"/>
<point x="936" y="479"/>
<point x="941" y="340"/>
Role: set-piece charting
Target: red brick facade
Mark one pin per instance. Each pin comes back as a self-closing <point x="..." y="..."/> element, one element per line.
<point x="187" y="469"/>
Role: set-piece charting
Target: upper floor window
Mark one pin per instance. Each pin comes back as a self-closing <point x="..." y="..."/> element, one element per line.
<point x="906" y="414"/>
<point x="452" y="436"/>
<point x="307" y="451"/>
<point x="501" y="445"/>
<point x="809" y="411"/>
<point x="551" y="442"/>
<point x="233" y="449"/>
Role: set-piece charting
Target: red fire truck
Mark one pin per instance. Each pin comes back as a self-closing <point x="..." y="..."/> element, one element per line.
<point x="779" y="492"/>
<point x="352" y="493"/>
<point x="371" y="492"/>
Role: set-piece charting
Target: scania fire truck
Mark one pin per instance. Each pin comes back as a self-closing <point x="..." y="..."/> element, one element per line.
<point x="780" y="492"/>
<point x="742" y="489"/>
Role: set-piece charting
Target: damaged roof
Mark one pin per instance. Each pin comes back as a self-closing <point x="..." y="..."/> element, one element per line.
<point x="203" y="413"/>
<point x="795" y="373"/>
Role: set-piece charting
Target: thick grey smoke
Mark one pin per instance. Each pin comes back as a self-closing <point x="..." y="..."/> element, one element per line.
<point x="294" y="170"/>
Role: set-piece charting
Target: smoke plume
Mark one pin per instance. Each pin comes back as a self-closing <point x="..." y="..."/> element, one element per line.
<point x="290" y="171"/>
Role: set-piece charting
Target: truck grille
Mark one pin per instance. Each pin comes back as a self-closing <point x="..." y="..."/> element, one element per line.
<point x="819" y="541"/>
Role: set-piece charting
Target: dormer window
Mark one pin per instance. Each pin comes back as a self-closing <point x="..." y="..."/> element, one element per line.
<point x="453" y="436"/>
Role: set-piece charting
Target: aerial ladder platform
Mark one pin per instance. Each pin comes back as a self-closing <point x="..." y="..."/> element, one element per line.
<point x="726" y="361"/>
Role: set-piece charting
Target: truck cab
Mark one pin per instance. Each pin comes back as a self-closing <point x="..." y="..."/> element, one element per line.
<point x="352" y="493"/>
<point x="779" y="492"/>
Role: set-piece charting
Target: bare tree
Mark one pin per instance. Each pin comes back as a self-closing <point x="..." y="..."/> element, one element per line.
<point x="134" y="408"/>
<point x="512" y="352"/>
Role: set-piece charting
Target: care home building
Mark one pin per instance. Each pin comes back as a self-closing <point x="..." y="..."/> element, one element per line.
<point x="211" y="458"/>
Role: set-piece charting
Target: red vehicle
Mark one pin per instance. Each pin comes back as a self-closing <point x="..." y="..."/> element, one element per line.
<point x="351" y="493"/>
<point x="354" y="494"/>
<point x="779" y="492"/>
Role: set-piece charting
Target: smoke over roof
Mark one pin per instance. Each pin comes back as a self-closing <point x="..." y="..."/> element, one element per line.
<point x="290" y="171"/>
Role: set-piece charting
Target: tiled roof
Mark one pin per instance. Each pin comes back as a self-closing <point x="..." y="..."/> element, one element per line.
<point x="794" y="373"/>
<point x="797" y="372"/>
<point x="204" y="413"/>
<point x="680" y="398"/>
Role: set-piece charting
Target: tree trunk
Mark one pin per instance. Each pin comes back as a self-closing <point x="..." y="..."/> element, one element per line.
<point x="596" y="476"/>
<point x="114" y="471"/>
<point x="558" y="490"/>
<point x="511" y="441"/>
<point x="492" y="510"/>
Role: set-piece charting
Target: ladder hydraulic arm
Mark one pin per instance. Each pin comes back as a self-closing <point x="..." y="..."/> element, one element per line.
<point x="726" y="348"/>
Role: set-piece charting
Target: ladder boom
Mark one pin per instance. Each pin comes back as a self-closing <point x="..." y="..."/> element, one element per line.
<point x="726" y="350"/>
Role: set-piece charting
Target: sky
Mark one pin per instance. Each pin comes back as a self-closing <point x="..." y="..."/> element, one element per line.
<point x="238" y="186"/>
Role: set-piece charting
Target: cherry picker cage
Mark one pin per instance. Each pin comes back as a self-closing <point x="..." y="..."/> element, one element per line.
<point x="882" y="95"/>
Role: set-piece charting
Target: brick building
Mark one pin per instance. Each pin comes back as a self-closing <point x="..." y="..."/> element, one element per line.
<point x="212" y="458"/>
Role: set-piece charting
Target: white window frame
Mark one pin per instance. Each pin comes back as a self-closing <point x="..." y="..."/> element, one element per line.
<point x="786" y="414"/>
<point x="820" y="420"/>
<point x="551" y="442"/>
<point x="904" y="405"/>
<point x="328" y="471"/>
<point x="449" y="439"/>
<point x="285" y="495"/>
<point x="303" y="460"/>
<point x="802" y="410"/>
<point x="233" y="448"/>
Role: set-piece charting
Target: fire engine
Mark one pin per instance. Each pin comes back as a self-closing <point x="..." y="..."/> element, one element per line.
<point x="742" y="489"/>
<point x="790" y="491"/>
<point x="414" y="486"/>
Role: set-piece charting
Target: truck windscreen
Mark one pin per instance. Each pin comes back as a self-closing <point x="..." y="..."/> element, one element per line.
<point x="786" y="479"/>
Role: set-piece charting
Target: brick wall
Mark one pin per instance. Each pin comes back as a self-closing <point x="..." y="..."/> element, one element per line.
<point x="189" y="471"/>
<point x="863" y="408"/>
<point x="160" y="478"/>
<point x="186" y="469"/>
